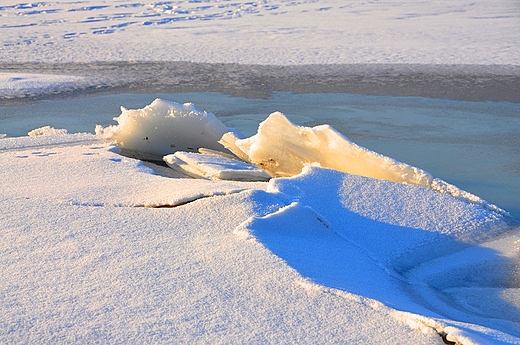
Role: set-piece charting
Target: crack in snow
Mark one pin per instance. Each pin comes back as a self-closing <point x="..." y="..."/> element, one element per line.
<point x="173" y="204"/>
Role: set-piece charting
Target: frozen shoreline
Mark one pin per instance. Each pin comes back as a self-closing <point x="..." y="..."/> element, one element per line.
<point x="460" y="82"/>
<point x="101" y="248"/>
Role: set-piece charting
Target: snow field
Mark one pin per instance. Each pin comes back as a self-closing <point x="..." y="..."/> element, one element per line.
<point x="97" y="247"/>
<point x="265" y="32"/>
<point x="94" y="267"/>
<point x="101" y="246"/>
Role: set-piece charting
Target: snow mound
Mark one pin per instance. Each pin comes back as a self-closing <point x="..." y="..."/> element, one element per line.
<point x="408" y="247"/>
<point x="47" y="130"/>
<point x="162" y="128"/>
<point x="398" y="224"/>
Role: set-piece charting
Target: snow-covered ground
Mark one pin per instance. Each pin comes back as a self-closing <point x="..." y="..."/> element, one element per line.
<point x="96" y="247"/>
<point x="263" y="32"/>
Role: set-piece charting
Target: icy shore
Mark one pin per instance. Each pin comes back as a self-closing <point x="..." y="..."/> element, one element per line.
<point x="356" y="244"/>
<point x="97" y="247"/>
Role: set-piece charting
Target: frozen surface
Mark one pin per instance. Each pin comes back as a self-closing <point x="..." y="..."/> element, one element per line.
<point x="108" y="242"/>
<point x="280" y="148"/>
<point x="14" y="85"/>
<point x="472" y="145"/>
<point x="215" y="165"/>
<point x="96" y="247"/>
<point x="263" y="32"/>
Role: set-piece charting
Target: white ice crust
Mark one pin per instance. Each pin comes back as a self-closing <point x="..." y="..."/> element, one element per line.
<point x="165" y="130"/>
<point x="47" y="130"/>
<point x="26" y="84"/>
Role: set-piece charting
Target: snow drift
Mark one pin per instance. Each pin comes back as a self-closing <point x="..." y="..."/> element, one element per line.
<point x="369" y="244"/>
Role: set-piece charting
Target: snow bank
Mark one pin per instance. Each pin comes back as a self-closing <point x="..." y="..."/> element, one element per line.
<point x="162" y="128"/>
<point x="82" y="259"/>
<point x="323" y="250"/>
<point x="399" y="224"/>
<point x="408" y="247"/>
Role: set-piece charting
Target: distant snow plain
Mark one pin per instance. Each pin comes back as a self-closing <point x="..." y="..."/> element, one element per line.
<point x="100" y="248"/>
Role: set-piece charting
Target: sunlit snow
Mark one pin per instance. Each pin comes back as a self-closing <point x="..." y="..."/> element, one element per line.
<point x="283" y="149"/>
<point x="170" y="227"/>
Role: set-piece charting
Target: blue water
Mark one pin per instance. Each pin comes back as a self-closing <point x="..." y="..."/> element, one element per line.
<point x="474" y="145"/>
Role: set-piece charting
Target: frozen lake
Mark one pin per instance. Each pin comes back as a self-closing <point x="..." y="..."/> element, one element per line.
<point x="471" y="144"/>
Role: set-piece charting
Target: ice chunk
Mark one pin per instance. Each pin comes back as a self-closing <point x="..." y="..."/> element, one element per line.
<point x="214" y="166"/>
<point x="46" y="130"/>
<point x="162" y="128"/>
<point x="283" y="149"/>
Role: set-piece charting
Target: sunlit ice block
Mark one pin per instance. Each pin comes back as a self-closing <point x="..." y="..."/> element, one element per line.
<point x="162" y="128"/>
<point x="283" y="149"/>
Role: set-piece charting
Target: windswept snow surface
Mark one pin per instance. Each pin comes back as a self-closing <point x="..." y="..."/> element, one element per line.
<point x="98" y="247"/>
<point x="262" y="32"/>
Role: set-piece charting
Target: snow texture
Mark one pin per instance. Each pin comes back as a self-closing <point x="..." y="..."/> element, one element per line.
<point x="106" y="242"/>
<point x="99" y="247"/>
<point x="263" y="32"/>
